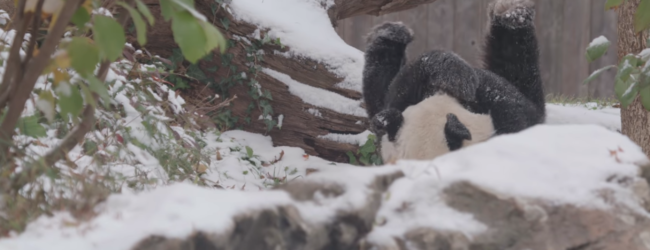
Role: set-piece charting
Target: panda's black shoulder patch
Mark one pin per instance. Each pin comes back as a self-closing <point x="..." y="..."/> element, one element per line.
<point x="455" y="132"/>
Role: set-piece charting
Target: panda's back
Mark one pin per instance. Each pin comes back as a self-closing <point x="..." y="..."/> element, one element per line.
<point x="422" y="134"/>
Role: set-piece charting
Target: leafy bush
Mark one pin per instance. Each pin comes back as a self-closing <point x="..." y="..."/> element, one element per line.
<point x="65" y="86"/>
<point x="633" y="71"/>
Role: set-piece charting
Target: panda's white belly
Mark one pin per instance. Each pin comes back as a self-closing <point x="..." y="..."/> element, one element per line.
<point x="422" y="136"/>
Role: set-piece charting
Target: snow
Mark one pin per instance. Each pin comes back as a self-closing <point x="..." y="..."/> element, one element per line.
<point x="598" y="41"/>
<point x="177" y="101"/>
<point x="645" y="55"/>
<point x="172" y="211"/>
<point x="354" y="180"/>
<point x="566" y="164"/>
<point x="305" y="27"/>
<point x="314" y="112"/>
<point x="609" y="118"/>
<point x="236" y="170"/>
<point x="4" y="17"/>
<point x="319" y="97"/>
<point x="356" y="139"/>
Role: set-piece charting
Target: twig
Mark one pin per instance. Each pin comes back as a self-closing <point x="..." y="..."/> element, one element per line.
<point x="218" y="106"/>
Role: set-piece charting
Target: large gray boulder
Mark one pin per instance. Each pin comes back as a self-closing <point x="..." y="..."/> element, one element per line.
<point x="548" y="187"/>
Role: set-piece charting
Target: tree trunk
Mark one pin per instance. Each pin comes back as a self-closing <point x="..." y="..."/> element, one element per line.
<point x="634" y="119"/>
<point x="300" y="127"/>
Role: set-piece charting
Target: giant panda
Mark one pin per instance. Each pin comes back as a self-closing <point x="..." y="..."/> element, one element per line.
<point x="438" y="103"/>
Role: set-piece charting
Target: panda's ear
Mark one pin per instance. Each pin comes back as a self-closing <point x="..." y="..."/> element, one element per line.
<point x="455" y="132"/>
<point x="388" y="121"/>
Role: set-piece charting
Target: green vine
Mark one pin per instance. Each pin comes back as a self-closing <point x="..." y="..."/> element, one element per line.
<point x="233" y="75"/>
<point x="367" y="154"/>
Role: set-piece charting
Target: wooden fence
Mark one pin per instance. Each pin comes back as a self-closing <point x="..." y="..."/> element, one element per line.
<point x="564" y="29"/>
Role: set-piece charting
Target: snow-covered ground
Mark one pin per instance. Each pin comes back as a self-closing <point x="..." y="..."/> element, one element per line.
<point x="588" y="113"/>
<point x="577" y="159"/>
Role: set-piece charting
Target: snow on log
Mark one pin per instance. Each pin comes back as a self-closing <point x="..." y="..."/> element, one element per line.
<point x="576" y="185"/>
<point x="348" y="8"/>
<point x="314" y="77"/>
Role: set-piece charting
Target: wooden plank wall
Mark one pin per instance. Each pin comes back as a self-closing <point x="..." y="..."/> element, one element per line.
<point x="564" y="29"/>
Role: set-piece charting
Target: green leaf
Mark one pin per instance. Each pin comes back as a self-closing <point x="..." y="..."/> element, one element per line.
<point x="644" y="78"/>
<point x="597" y="73"/>
<point x="626" y="66"/>
<point x="84" y="55"/>
<point x="145" y="11"/>
<point x="597" y="48"/>
<point x="645" y="97"/>
<point x="188" y="5"/>
<point x="266" y="39"/>
<point x="29" y="126"/>
<point x="167" y="9"/>
<point x="365" y="160"/>
<point x="70" y="100"/>
<point x="80" y="17"/>
<point x="612" y="3"/>
<point x="90" y="147"/>
<point x="100" y="88"/>
<point x="189" y="36"/>
<point x="194" y="71"/>
<point x="225" y="22"/>
<point x="140" y="25"/>
<point x="367" y="148"/>
<point x="642" y="16"/>
<point x="88" y="95"/>
<point x="626" y="91"/>
<point x="353" y="160"/>
<point x="214" y="38"/>
<point x="267" y="94"/>
<point x="249" y="152"/>
<point x="109" y="36"/>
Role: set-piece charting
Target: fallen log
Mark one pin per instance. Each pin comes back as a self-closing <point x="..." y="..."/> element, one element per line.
<point x="314" y="95"/>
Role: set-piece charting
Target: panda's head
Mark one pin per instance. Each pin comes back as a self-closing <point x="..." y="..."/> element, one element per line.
<point x="433" y="127"/>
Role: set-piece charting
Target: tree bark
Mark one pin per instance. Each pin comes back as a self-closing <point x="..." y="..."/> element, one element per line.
<point x="635" y="120"/>
<point x="300" y="128"/>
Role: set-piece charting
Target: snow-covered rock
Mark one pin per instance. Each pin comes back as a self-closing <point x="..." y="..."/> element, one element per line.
<point x="548" y="187"/>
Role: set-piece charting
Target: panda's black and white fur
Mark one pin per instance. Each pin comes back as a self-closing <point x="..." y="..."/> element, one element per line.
<point x="438" y="102"/>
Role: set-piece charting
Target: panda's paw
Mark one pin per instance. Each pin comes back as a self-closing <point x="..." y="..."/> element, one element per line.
<point x="512" y="13"/>
<point x="388" y="122"/>
<point x="393" y="31"/>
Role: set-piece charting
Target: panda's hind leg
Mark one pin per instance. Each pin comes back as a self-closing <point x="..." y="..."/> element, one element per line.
<point x="511" y="49"/>
<point x="384" y="57"/>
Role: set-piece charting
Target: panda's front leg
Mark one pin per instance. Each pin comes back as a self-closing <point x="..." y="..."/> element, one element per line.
<point x="511" y="49"/>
